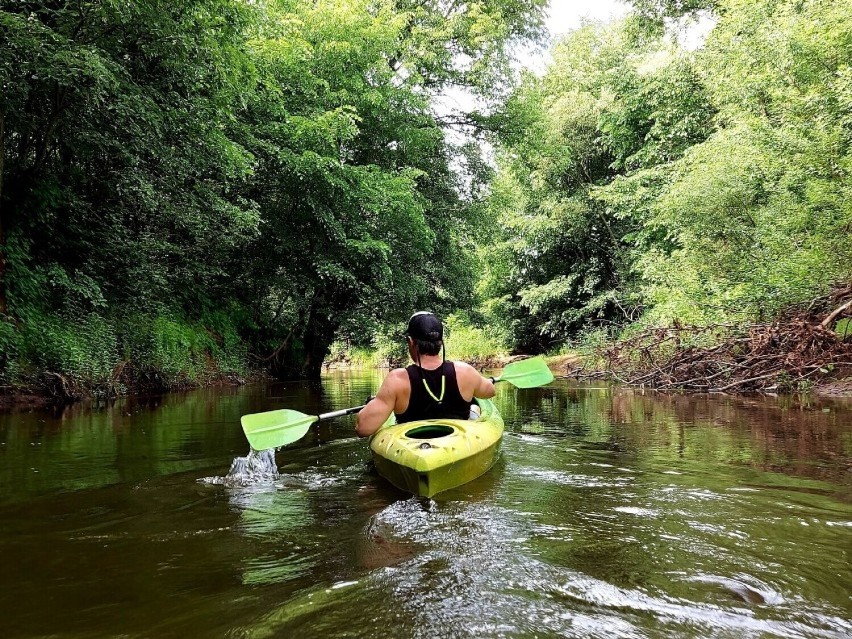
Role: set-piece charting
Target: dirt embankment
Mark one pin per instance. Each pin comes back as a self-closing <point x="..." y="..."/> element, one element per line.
<point x="838" y="388"/>
<point x="53" y="389"/>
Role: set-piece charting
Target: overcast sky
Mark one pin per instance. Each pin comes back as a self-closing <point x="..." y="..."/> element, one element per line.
<point x="565" y="15"/>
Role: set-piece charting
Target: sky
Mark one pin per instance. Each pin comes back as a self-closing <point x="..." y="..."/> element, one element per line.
<point x="564" y="16"/>
<point x="567" y="15"/>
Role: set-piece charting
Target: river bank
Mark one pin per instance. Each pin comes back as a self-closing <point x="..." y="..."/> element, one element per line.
<point x="53" y="389"/>
<point x="804" y="350"/>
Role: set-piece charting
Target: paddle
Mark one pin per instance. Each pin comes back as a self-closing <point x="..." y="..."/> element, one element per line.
<point x="526" y="373"/>
<point x="277" y="428"/>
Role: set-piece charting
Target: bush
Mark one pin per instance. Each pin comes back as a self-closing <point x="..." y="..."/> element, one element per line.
<point x="171" y="352"/>
<point x="467" y="342"/>
<point x="8" y="352"/>
<point x="98" y="355"/>
<point x="83" y="351"/>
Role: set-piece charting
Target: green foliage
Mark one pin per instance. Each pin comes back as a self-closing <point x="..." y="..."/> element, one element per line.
<point x="9" y="363"/>
<point x="637" y="180"/>
<point x="94" y="180"/>
<point x="601" y="129"/>
<point x="759" y="214"/>
<point x="659" y="10"/>
<point x="465" y="341"/>
<point x="469" y="342"/>
<point x="350" y="157"/>
<point x="83" y="350"/>
<point x="223" y="173"/>
<point x="844" y="329"/>
<point x="101" y="355"/>
<point x="175" y="351"/>
<point x="355" y="357"/>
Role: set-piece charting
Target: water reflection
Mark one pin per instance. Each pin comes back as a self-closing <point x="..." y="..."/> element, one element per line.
<point x="806" y="438"/>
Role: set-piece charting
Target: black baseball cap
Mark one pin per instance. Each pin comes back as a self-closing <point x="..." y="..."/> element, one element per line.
<point x="425" y="326"/>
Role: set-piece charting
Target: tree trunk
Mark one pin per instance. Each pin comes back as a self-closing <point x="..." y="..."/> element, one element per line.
<point x="302" y="358"/>
<point x="2" y="237"/>
<point x="318" y="339"/>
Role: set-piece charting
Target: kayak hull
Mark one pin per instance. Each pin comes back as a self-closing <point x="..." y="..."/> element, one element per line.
<point x="430" y="456"/>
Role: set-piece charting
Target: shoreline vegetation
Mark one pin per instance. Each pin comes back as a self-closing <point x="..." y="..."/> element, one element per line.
<point x="215" y="191"/>
<point x="803" y="351"/>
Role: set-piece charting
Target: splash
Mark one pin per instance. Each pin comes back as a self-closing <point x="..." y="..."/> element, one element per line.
<point x="256" y="468"/>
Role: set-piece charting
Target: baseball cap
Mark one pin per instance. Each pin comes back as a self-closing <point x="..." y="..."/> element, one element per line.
<point x="425" y="326"/>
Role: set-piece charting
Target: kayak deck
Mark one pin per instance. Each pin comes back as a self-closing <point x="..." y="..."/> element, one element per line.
<point x="431" y="456"/>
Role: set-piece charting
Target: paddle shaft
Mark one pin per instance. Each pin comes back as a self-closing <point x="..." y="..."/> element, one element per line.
<point x="339" y="413"/>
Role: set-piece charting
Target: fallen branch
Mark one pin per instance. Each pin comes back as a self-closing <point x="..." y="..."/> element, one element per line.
<point x="742" y="381"/>
<point x="828" y="320"/>
<point x="784" y="354"/>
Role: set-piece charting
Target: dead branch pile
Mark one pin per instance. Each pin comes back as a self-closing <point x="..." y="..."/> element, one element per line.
<point x="789" y="354"/>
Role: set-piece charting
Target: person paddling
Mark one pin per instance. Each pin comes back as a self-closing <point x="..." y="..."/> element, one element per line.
<point x="430" y="388"/>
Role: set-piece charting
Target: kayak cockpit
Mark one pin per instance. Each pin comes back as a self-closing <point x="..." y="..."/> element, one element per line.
<point x="430" y="431"/>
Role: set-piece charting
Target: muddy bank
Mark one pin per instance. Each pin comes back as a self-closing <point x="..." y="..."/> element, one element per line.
<point x="838" y="388"/>
<point x="54" y="390"/>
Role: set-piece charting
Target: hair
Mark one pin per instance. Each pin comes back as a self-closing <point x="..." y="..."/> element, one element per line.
<point x="427" y="347"/>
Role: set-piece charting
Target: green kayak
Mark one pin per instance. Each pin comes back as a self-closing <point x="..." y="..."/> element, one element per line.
<point x="430" y="456"/>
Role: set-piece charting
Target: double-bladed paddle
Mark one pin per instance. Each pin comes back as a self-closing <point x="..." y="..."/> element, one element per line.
<point x="526" y="373"/>
<point x="277" y="428"/>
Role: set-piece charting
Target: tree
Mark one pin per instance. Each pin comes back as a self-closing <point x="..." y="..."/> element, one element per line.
<point x="217" y="167"/>
<point x="759" y="212"/>
<point x="353" y="163"/>
<point x="592" y="144"/>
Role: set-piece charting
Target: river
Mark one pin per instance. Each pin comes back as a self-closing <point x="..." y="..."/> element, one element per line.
<point x="610" y="513"/>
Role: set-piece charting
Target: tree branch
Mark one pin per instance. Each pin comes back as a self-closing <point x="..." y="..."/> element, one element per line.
<point x="827" y="321"/>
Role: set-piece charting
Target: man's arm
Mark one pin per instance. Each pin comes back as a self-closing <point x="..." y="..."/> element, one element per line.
<point x="483" y="387"/>
<point x="378" y="409"/>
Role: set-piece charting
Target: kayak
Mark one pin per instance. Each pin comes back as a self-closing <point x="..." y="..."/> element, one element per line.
<point x="430" y="456"/>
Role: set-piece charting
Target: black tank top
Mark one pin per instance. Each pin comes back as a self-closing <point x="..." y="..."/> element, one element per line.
<point x="422" y="406"/>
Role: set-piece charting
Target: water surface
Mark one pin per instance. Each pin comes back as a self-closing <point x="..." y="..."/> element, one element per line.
<point x="609" y="514"/>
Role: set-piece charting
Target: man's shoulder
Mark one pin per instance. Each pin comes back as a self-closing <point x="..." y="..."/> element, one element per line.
<point x="398" y="375"/>
<point x="463" y="368"/>
<point x="395" y="384"/>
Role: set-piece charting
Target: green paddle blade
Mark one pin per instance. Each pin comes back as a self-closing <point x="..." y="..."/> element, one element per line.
<point x="527" y="373"/>
<point x="276" y="428"/>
